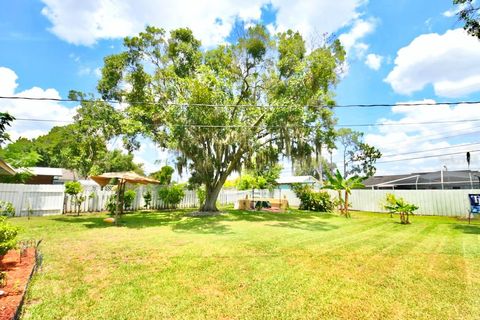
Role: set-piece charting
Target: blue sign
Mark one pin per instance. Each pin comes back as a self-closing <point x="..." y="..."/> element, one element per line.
<point x="474" y="203"/>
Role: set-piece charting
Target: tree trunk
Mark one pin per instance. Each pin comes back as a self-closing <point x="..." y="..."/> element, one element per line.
<point x="210" y="204"/>
<point x="347" y="214"/>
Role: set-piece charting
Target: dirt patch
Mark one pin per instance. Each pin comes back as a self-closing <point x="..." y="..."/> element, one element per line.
<point x="18" y="271"/>
<point x="204" y="214"/>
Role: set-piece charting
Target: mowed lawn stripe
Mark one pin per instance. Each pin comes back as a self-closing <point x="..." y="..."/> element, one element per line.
<point x="242" y="265"/>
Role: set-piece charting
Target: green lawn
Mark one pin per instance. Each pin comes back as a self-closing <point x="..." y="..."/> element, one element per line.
<point x="254" y="266"/>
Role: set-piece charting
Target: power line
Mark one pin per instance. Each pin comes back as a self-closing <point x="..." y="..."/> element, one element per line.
<point x="291" y="127"/>
<point x="425" y="157"/>
<point x="373" y="105"/>
<point x="435" y="149"/>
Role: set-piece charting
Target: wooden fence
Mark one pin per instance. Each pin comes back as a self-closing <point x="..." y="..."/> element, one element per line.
<point x="51" y="199"/>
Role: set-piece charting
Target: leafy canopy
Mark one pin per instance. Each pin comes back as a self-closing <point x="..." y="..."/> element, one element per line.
<point x="170" y="85"/>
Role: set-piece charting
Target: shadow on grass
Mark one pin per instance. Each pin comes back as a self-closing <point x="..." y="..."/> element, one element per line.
<point x="179" y="222"/>
<point x="470" y="229"/>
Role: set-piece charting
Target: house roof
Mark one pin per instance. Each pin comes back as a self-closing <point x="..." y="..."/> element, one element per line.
<point x="296" y="179"/>
<point x="46" y="171"/>
<point x="458" y="176"/>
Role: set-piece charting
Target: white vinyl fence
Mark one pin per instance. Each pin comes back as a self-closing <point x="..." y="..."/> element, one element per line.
<point x="51" y="199"/>
<point x="33" y="199"/>
<point x="430" y="202"/>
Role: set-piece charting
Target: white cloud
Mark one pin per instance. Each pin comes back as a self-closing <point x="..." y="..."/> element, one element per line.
<point x="85" y="22"/>
<point x="374" y="61"/>
<point x="450" y="62"/>
<point x="28" y="109"/>
<point x="351" y="40"/>
<point x="399" y="139"/>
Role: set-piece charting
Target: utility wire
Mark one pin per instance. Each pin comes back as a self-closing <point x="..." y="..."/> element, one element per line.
<point x="425" y="157"/>
<point x="428" y="150"/>
<point x="291" y="127"/>
<point x="374" y="105"/>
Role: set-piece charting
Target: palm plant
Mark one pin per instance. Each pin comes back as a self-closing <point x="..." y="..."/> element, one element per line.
<point x="338" y="182"/>
<point x="400" y="206"/>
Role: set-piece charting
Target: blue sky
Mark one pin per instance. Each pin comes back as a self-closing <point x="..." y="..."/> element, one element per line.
<point x="398" y="51"/>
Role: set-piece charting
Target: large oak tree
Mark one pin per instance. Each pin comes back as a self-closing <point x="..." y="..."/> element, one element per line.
<point x="225" y="108"/>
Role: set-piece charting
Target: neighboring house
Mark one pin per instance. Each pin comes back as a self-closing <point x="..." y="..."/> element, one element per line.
<point x="45" y="175"/>
<point x="460" y="179"/>
<point x="285" y="183"/>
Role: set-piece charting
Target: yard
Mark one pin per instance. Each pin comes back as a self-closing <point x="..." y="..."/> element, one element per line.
<point x="245" y="265"/>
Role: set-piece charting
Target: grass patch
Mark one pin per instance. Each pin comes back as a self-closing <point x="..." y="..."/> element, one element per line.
<point x="249" y="265"/>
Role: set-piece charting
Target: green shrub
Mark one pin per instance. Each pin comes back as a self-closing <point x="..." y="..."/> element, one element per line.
<point x="147" y="198"/>
<point x="128" y="198"/>
<point x="313" y="200"/>
<point x="8" y="236"/>
<point x="201" y="195"/>
<point x="171" y="196"/>
<point x="112" y="204"/>
<point x="7" y="209"/>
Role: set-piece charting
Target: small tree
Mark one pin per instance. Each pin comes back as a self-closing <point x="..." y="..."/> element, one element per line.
<point x="74" y="188"/>
<point x="8" y="235"/>
<point x="400" y="206"/>
<point x="339" y="183"/>
<point x="147" y="198"/>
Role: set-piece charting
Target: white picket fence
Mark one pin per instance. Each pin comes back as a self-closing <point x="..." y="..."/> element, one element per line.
<point x="51" y="199"/>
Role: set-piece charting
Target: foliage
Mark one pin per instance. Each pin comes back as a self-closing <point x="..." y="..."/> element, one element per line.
<point x="470" y="14"/>
<point x="166" y="80"/>
<point x="172" y="195"/>
<point x="72" y="147"/>
<point x="338" y="182"/>
<point x="74" y="189"/>
<point x="147" y="198"/>
<point x="201" y="195"/>
<point x="358" y="156"/>
<point x="128" y="198"/>
<point x="5" y="120"/>
<point x="259" y="178"/>
<point x="230" y="183"/>
<point x="112" y="204"/>
<point x="21" y="154"/>
<point x="164" y="175"/>
<point x="314" y="168"/>
<point x="399" y="206"/>
<point x="7" y="209"/>
<point x="313" y="200"/>
<point x="8" y="234"/>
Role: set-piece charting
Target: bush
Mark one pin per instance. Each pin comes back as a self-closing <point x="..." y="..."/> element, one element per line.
<point x="7" y="209"/>
<point x="112" y="204"/>
<point x="201" y="195"/>
<point x="8" y="235"/>
<point x="171" y="196"/>
<point x="128" y="198"/>
<point x="313" y="200"/>
<point x="147" y="198"/>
